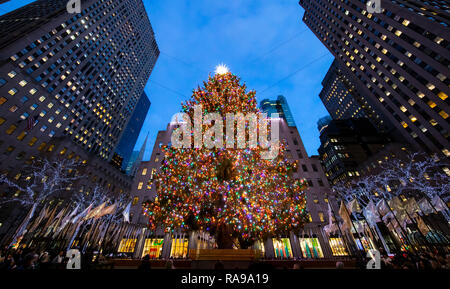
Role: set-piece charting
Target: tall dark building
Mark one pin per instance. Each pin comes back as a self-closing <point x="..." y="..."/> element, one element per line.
<point x="323" y="123"/>
<point x="69" y="84"/>
<point x="16" y="24"/>
<point x="398" y="60"/>
<point x="342" y="99"/>
<point x="80" y="75"/>
<point x="130" y="135"/>
<point x="129" y="166"/>
<point x="345" y="144"/>
<point x="279" y="106"/>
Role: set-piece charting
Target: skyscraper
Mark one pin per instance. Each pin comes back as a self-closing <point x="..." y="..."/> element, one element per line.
<point x="134" y="156"/>
<point x="69" y="84"/>
<point x="342" y="100"/>
<point x="345" y="144"/>
<point x="79" y="75"/>
<point x="131" y="133"/>
<point x="16" y="24"/>
<point x="323" y="123"/>
<point x="398" y="59"/>
<point x="279" y="106"/>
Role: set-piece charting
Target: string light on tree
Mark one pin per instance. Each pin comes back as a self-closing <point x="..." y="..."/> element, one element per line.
<point x="229" y="192"/>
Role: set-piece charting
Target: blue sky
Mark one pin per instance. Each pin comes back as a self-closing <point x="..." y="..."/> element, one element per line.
<point x="262" y="41"/>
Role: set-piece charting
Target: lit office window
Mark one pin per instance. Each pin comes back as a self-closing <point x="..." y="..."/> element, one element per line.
<point x="11" y="129"/>
<point x="12" y="74"/>
<point x="12" y="91"/>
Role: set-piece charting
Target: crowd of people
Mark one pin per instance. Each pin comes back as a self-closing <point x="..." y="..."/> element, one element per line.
<point x="425" y="260"/>
<point x="30" y="259"/>
<point x="33" y="259"/>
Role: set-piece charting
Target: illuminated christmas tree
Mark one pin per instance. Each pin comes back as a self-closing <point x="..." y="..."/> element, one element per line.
<point x="232" y="193"/>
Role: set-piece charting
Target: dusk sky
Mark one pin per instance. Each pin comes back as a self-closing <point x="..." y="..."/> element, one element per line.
<point x="263" y="42"/>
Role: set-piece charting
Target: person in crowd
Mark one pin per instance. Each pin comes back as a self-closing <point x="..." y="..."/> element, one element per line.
<point x="2" y="256"/>
<point x="169" y="265"/>
<point x="44" y="261"/>
<point x="219" y="265"/>
<point x="339" y="265"/>
<point x="29" y="263"/>
<point x="145" y="264"/>
<point x="9" y="263"/>
<point x="18" y="257"/>
<point x="59" y="259"/>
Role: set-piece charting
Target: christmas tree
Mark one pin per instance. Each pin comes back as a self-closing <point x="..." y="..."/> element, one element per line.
<point x="232" y="193"/>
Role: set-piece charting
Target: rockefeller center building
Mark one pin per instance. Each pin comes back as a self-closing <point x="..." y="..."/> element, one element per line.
<point x="312" y="242"/>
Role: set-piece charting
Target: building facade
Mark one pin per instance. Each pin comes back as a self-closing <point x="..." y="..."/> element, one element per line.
<point x="130" y="135"/>
<point x="345" y="144"/>
<point x="72" y="76"/>
<point x="342" y="100"/>
<point x="69" y="84"/>
<point x="279" y="106"/>
<point x="312" y="242"/>
<point x="79" y="75"/>
<point x="398" y="60"/>
<point x="130" y="164"/>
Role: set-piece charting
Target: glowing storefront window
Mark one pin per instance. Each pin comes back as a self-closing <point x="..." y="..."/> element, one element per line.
<point x="366" y="243"/>
<point x="282" y="248"/>
<point x="337" y="247"/>
<point x="179" y="248"/>
<point x="127" y="246"/>
<point x="202" y="244"/>
<point x="259" y="246"/>
<point x="153" y="247"/>
<point x="310" y="248"/>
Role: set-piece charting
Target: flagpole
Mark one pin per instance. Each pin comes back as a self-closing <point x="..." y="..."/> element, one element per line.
<point x="436" y="211"/>
<point x="80" y="222"/>
<point x="420" y="232"/>
<point x="82" y="232"/>
<point x="431" y="204"/>
<point x="354" y="228"/>
<point x="381" y="219"/>
<point x="383" y="242"/>
<point x="103" y="237"/>
<point x="23" y="225"/>
<point x="405" y="235"/>
<point x="388" y="251"/>
<point x="340" y="231"/>
<point x="325" y="239"/>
